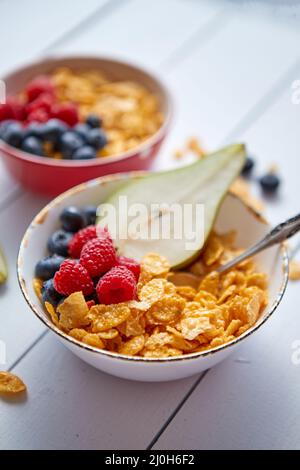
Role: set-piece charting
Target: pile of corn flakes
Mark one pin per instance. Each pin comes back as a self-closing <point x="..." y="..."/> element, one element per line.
<point x="176" y="313"/>
<point x="130" y="113"/>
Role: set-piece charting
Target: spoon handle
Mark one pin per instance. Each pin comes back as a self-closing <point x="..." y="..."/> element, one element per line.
<point x="278" y="234"/>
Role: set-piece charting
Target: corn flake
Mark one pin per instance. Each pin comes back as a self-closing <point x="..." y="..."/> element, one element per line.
<point x="10" y="383"/>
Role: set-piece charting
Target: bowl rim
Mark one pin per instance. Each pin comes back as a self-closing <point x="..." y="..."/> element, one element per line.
<point x="113" y="355"/>
<point x="143" y="147"/>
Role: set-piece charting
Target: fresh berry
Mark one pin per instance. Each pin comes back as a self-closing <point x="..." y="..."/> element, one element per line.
<point x="97" y="139"/>
<point x="72" y="219"/>
<point x="73" y="277"/>
<point x="69" y="143"/>
<point x="47" y="267"/>
<point x="117" y="285"/>
<point x="80" y="239"/>
<point x="38" y="115"/>
<point x="17" y="108"/>
<point x="32" y="145"/>
<point x="130" y="264"/>
<point x="84" y="153"/>
<point x="248" y="166"/>
<point x="82" y="130"/>
<point x="39" y="85"/>
<point x="66" y="112"/>
<point x="93" y="121"/>
<point x="49" y="294"/>
<point x="13" y="134"/>
<point x="43" y="101"/>
<point x="6" y="112"/>
<point x="89" y="213"/>
<point x="270" y="183"/>
<point x="58" y="242"/>
<point x="98" y="256"/>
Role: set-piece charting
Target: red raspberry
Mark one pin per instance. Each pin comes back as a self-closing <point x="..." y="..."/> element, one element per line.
<point x="17" y="108"/>
<point x="43" y="101"/>
<point x="118" y="285"/>
<point x="130" y="264"/>
<point x="72" y="277"/>
<point x="66" y="112"/>
<point x="80" y="239"/>
<point x="98" y="256"/>
<point x="6" y="112"/>
<point x="38" y="115"/>
<point x="39" y="85"/>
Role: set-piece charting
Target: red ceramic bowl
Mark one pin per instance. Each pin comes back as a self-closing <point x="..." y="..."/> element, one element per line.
<point x="51" y="177"/>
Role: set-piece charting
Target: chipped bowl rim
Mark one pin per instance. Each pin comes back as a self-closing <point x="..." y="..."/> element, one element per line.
<point x="113" y="355"/>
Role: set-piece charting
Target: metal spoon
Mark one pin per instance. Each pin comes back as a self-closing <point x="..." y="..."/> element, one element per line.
<point x="278" y="234"/>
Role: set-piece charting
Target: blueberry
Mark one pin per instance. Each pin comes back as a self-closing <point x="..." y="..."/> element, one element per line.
<point x="34" y="129"/>
<point x="84" y="153"/>
<point x="13" y="134"/>
<point x="71" y="219"/>
<point x="248" y="167"/>
<point x="47" y="267"/>
<point x="89" y="214"/>
<point x="82" y="130"/>
<point x="32" y="145"/>
<point x="93" y="121"/>
<point x="49" y="294"/>
<point x="69" y="142"/>
<point x="269" y="183"/>
<point x="58" y="242"/>
<point x="53" y="130"/>
<point x="97" y="138"/>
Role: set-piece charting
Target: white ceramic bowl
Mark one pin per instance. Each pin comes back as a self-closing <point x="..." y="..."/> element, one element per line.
<point x="234" y="215"/>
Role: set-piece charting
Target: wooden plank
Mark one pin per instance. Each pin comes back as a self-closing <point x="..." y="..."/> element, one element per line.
<point x="71" y="405"/>
<point x="147" y="35"/>
<point x="217" y="85"/>
<point x="19" y="326"/>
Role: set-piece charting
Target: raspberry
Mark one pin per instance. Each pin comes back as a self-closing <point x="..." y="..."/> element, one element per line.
<point x="130" y="264"/>
<point x="80" y="239"/>
<point x="98" y="256"/>
<point x="118" y="285"/>
<point x="43" y="101"/>
<point x="39" y="85"/>
<point x="38" y="115"/>
<point x="72" y="277"/>
<point x="66" y="112"/>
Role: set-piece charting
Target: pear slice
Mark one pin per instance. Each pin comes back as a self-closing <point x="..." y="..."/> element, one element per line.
<point x="146" y="204"/>
<point x="3" y="268"/>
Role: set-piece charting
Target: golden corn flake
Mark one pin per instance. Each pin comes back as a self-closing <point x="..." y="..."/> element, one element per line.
<point x="166" y="310"/>
<point x="294" y="274"/>
<point x="37" y="287"/>
<point x="10" y="383"/>
<point x="133" y="346"/>
<point x="73" y="312"/>
<point x="213" y="250"/>
<point x="52" y="313"/>
<point x="187" y="292"/>
<point x="155" y="290"/>
<point x="191" y="327"/>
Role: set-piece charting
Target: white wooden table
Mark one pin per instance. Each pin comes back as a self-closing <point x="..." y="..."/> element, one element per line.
<point x="230" y="67"/>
